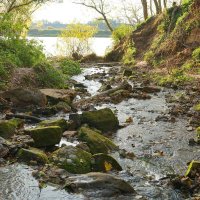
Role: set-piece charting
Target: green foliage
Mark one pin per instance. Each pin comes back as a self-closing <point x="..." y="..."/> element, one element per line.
<point x="128" y="57"/>
<point x="21" y="52"/>
<point x="48" y="76"/>
<point x="149" y="56"/>
<point x="70" y="67"/>
<point x="75" y="40"/>
<point x="196" y="54"/>
<point x="121" y="31"/>
<point x="177" y="77"/>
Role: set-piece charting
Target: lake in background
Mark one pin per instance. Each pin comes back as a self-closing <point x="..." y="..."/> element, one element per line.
<point x="98" y="45"/>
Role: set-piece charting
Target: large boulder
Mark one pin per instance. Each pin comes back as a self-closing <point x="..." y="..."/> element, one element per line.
<point x="98" y="185"/>
<point x="57" y="95"/>
<point x="55" y="122"/>
<point x="45" y="136"/>
<point x="103" y="119"/>
<point x="25" y="97"/>
<point x="8" y="127"/>
<point x="72" y="159"/>
<point x="30" y="154"/>
<point x="95" y="141"/>
<point x="103" y="163"/>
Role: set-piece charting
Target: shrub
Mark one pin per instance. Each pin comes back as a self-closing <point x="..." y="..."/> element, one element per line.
<point x="48" y="76"/>
<point x="177" y="77"/>
<point x="128" y="57"/>
<point x="70" y="67"/>
<point x="196" y="54"/>
<point x="21" y="52"/>
<point x="75" y="40"/>
<point x="120" y="32"/>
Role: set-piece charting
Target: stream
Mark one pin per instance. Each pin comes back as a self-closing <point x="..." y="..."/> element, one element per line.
<point x="161" y="148"/>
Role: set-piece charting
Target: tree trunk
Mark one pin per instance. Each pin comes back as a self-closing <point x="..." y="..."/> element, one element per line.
<point x="145" y="8"/>
<point x="160" y="6"/>
<point x="150" y="7"/>
<point x="157" y="6"/>
<point x="165" y="3"/>
<point x="107" y="23"/>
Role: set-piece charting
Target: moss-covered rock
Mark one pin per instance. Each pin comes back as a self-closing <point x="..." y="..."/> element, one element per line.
<point x="63" y="106"/>
<point x="55" y="122"/>
<point x="72" y="159"/>
<point x="45" y="136"/>
<point x="8" y="127"/>
<point x="198" y="133"/>
<point x="32" y="154"/>
<point x="197" y="107"/>
<point x="103" y="163"/>
<point x="193" y="168"/>
<point x="95" y="141"/>
<point x="103" y="119"/>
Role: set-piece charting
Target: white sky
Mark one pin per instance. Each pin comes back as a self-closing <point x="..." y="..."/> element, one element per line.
<point x="67" y="12"/>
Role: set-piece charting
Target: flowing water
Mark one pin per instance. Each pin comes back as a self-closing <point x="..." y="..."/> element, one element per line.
<point x="161" y="148"/>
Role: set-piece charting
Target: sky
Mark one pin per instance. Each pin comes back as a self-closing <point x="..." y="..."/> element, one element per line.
<point x="67" y="12"/>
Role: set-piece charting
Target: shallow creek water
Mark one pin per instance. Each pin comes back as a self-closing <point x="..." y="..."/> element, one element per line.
<point x="145" y="137"/>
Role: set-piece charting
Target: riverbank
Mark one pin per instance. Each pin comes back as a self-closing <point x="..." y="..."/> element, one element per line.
<point x="154" y="136"/>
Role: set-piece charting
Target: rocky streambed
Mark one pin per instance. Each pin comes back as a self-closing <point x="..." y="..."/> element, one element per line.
<point x="139" y="151"/>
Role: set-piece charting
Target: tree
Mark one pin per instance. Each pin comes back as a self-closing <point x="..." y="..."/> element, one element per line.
<point x="74" y="40"/>
<point x="101" y="7"/>
<point x="145" y="8"/>
<point x="130" y="13"/>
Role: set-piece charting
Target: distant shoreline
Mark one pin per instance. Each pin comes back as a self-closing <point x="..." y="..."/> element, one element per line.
<point x="56" y="33"/>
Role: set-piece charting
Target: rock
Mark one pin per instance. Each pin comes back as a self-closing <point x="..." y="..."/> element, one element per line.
<point x="75" y="120"/>
<point x="197" y="107"/>
<point x="69" y="134"/>
<point x="72" y="159"/>
<point x="120" y="95"/>
<point x="127" y="72"/>
<point x="55" y="122"/>
<point x="83" y="146"/>
<point x="103" y="119"/>
<point x="193" y="168"/>
<point x="95" y="141"/>
<point x="32" y="154"/>
<point x="8" y="127"/>
<point x="4" y="150"/>
<point x="57" y="95"/>
<point x="98" y="185"/>
<point x="105" y="88"/>
<point x="25" y="97"/>
<point x="198" y="133"/>
<point x="45" y="136"/>
<point x="103" y="163"/>
<point x="148" y="89"/>
<point x="63" y="106"/>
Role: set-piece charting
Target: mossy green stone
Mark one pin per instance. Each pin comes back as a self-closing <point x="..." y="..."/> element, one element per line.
<point x="198" y="132"/>
<point x="197" y="107"/>
<point x="192" y="166"/>
<point x="7" y="128"/>
<point x="101" y="160"/>
<point x="55" y="122"/>
<point x="33" y="154"/>
<point x="103" y="119"/>
<point x="72" y="159"/>
<point x="45" y="136"/>
<point x="95" y="141"/>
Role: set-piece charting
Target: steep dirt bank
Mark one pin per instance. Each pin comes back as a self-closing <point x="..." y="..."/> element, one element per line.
<point x="167" y="39"/>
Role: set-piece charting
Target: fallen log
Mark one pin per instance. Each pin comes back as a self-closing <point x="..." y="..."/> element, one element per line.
<point x="22" y="116"/>
<point x="123" y="86"/>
